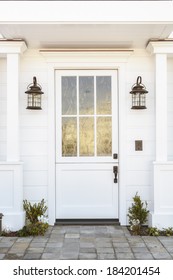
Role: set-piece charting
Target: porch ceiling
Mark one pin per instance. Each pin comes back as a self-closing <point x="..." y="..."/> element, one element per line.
<point x="86" y="34"/>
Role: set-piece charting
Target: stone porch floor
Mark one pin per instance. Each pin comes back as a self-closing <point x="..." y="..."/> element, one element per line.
<point x="86" y="242"/>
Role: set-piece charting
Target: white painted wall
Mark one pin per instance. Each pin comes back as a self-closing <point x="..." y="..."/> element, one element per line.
<point x="140" y="125"/>
<point x="33" y="129"/>
<point x="170" y="109"/>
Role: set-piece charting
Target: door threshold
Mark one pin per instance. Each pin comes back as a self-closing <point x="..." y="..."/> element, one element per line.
<point x="87" y="222"/>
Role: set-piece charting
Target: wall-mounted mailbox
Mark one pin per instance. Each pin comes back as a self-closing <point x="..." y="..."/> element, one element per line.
<point x="138" y="145"/>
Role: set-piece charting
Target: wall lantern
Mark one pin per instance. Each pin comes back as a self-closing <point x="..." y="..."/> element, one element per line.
<point x="34" y="95"/>
<point x="138" y="95"/>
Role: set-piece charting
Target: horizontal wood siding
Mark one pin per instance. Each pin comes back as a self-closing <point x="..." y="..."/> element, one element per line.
<point x="33" y="129"/>
<point x="140" y="125"/>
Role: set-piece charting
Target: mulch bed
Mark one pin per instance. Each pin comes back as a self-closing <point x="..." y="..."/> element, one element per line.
<point x="143" y="231"/>
<point x="10" y="234"/>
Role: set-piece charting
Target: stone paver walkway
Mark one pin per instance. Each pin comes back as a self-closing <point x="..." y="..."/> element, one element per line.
<point x="86" y="242"/>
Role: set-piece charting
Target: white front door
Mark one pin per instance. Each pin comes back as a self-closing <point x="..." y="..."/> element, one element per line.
<point x="86" y="144"/>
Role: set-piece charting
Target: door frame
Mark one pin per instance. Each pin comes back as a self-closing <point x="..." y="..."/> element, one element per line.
<point x="91" y="165"/>
<point x="94" y="60"/>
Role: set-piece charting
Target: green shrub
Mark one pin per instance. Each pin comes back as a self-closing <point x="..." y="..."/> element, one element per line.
<point x="35" y="211"/>
<point x="168" y="231"/>
<point x="38" y="228"/>
<point x="153" y="231"/>
<point x="137" y="214"/>
<point x="36" y="222"/>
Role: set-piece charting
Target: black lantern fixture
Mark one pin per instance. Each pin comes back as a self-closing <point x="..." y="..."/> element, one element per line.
<point x="138" y="95"/>
<point x="34" y="95"/>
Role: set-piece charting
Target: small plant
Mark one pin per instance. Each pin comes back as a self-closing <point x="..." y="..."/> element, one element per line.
<point x="168" y="231"/>
<point x="135" y="227"/>
<point x="153" y="231"/>
<point x="137" y="214"/>
<point x="35" y="211"/>
<point x="35" y="229"/>
<point x="36" y="221"/>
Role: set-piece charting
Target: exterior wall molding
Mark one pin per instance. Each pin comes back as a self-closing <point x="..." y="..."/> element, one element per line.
<point x="82" y="55"/>
<point x="11" y="171"/>
<point x="11" y="199"/>
<point x="162" y="47"/>
<point x="162" y="214"/>
<point x="11" y="46"/>
<point x="86" y="60"/>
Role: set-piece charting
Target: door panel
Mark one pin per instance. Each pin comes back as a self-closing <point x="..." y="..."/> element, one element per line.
<point x="86" y="191"/>
<point x="86" y="138"/>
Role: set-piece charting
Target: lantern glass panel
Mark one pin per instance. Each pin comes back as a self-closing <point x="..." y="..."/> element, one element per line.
<point x="34" y="101"/>
<point x="138" y="101"/>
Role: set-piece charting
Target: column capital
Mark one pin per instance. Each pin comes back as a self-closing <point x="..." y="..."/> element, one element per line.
<point x="12" y="46"/>
<point x="160" y="46"/>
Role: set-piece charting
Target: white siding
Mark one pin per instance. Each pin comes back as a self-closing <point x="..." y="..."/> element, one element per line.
<point x="33" y="129"/>
<point x="140" y="125"/>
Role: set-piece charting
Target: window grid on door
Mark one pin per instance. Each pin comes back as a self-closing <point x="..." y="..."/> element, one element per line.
<point x="101" y="122"/>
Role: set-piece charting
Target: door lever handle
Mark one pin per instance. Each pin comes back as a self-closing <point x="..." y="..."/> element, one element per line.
<point x="115" y="171"/>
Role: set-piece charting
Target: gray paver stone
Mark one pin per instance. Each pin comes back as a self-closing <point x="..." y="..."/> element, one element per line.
<point x="107" y="257"/>
<point x="105" y="250"/>
<point x="87" y="250"/>
<point x="32" y="256"/>
<point x="123" y="250"/>
<point x="143" y="256"/>
<point x="143" y="250"/>
<point x="68" y="256"/>
<point x="35" y="250"/>
<point x="125" y="256"/>
<point x="87" y="256"/>
<point x="50" y="256"/>
<point x="122" y="244"/>
<point x="86" y="245"/>
<point x="54" y="245"/>
<point x="162" y="256"/>
<point x="52" y="250"/>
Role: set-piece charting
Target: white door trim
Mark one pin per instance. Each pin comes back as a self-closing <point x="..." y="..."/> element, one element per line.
<point x="62" y="61"/>
<point x="77" y="177"/>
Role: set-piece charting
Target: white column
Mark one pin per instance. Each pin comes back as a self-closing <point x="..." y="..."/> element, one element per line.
<point x="161" y="215"/>
<point x="11" y="170"/>
<point x="161" y="107"/>
<point x="13" y="107"/>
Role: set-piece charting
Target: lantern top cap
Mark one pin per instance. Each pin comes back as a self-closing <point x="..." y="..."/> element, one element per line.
<point x="34" y="88"/>
<point x="138" y="87"/>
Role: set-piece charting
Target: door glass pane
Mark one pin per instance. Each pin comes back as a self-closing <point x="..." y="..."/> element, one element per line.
<point x="69" y="95"/>
<point x="86" y="127"/>
<point x="69" y="136"/>
<point x="104" y="136"/>
<point x="86" y="95"/>
<point x="103" y="95"/>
